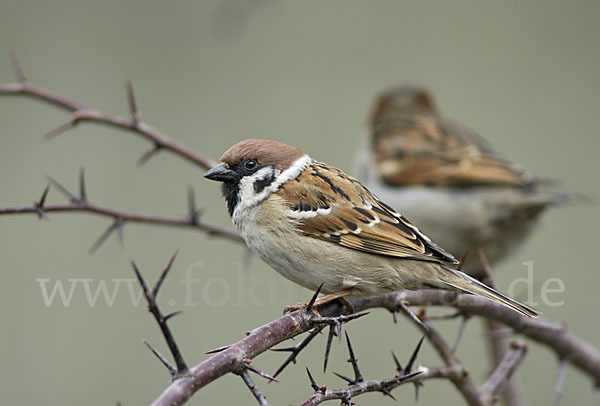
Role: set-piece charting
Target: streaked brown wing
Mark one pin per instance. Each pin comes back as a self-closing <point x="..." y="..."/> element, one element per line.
<point x="424" y="149"/>
<point x="332" y="206"/>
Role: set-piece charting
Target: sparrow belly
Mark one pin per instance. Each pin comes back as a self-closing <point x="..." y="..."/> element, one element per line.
<point x="309" y="262"/>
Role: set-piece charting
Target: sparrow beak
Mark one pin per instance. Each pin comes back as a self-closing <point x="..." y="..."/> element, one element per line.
<point x="220" y="173"/>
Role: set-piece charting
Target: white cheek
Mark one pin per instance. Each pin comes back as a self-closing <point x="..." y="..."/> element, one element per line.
<point x="248" y="198"/>
<point x="246" y="192"/>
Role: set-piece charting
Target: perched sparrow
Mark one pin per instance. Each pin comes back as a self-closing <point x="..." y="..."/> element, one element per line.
<point x="448" y="180"/>
<point x="314" y="224"/>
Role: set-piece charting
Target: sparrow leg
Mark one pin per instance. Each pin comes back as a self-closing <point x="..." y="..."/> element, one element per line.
<point x="322" y="300"/>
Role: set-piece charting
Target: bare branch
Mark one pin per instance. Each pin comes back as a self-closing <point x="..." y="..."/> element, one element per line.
<point x="151" y="295"/>
<point x="579" y="353"/>
<point x="262" y="400"/>
<point x="80" y="204"/>
<point x="295" y="350"/>
<point x="560" y="381"/>
<point x="80" y="114"/>
<point x="503" y="372"/>
<point x="234" y="358"/>
<point x="376" y="385"/>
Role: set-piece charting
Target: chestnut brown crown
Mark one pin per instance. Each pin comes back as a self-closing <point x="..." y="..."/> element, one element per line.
<point x="266" y="152"/>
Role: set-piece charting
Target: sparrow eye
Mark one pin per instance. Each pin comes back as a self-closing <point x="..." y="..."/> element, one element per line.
<point x="250" y="164"/>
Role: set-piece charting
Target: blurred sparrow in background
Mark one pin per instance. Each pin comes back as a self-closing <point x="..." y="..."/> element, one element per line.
<point x="446" y="179"/>
<point x="316" y="225"/>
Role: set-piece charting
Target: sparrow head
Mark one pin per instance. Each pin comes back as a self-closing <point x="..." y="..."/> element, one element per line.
<point x="254" y="168"/>
<point x="402" y="99"/>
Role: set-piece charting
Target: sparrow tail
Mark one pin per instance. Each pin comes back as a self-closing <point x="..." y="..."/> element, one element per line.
<point x="467" y="284"/>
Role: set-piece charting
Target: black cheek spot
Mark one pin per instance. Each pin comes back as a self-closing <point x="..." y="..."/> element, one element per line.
<point x="261" y="184"/>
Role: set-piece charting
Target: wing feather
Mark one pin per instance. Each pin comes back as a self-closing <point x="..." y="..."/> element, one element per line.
<point x="426" y="149"/>
<point x="330" y="205"/>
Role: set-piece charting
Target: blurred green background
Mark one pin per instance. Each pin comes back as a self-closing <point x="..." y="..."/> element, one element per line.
<point x="210" y="73"/>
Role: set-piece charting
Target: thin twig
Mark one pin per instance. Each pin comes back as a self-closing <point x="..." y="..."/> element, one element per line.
<point x="233" y="358"/>
<point x="560" y="381"/>
<point x="512" y="392"/>
<point x="151" y="295"/>
<point x="579" y="353"/>
<point x="295" y="350"/>
<point x="503" y="372"/>
<point x="262" y="400"/>
<point x="81" y="114"/>
<point x="80" y="204"/>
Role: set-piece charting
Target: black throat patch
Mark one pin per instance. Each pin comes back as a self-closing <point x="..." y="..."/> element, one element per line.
<point x="231" y="191"/>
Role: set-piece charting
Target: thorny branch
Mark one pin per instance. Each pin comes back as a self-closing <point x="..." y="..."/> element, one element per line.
<point x="180" y="367"/>
<point x="230" y="359"/>
<point x="576" y="351"/>
<point x="119" y="218"/>
<point x="513" y="393"/>
<point x="237" y="357"/>
<point x="358" y="385"/>
<point x="82" y="114"/>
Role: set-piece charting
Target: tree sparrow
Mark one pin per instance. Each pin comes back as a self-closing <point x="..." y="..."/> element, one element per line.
<point x="448" y="180"/>
<point x="316" y="225"/>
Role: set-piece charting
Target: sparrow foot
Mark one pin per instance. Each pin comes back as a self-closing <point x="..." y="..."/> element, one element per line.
<point x="316" y="302"/>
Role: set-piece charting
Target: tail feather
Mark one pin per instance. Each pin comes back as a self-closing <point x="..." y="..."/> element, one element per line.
<point x="467" y="284"/>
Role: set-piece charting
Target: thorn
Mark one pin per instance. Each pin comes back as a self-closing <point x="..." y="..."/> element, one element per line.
<point x="408" y="376"/>
<point x="262" y="400"/>
<point x="260" y="373"/>
<point x="387" y="392"/>
<point x="133" y="110"/>
<point x="413" y="357"/>
<point x="407" y="311"/>
<point x="328" y="346"/>
<point x="312" y="300"/>
<point x="17" y="67"/>
<point x="461" y="330"/>
<point x="104" y="236"/>
<point x="162" y="359"/>
<point x="140" y="279"/>
<point x="163" y="275"/>
<point x="148" y="154"/>
<point x="297" y="349"/>
<point x="62" y="128"/>
<point x="193" y="211"/>
<point x="417" y="387"/>
<point x="216" y="350"/>
<point x="181" y="367"/>
<point x="120" y="237"/>
<point x="64" y="191"/>
<point x="357" y="375"/>
<point x="41" y="213"/>
<point x="345" y="378"/>
<point x="398" y="364"/>
<point x="168" y="316"/>
<point x="313" y="384"/>
<point x="39" y="206"/>
<point x="82" y="192"/>
<point x="286" y="349"/>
